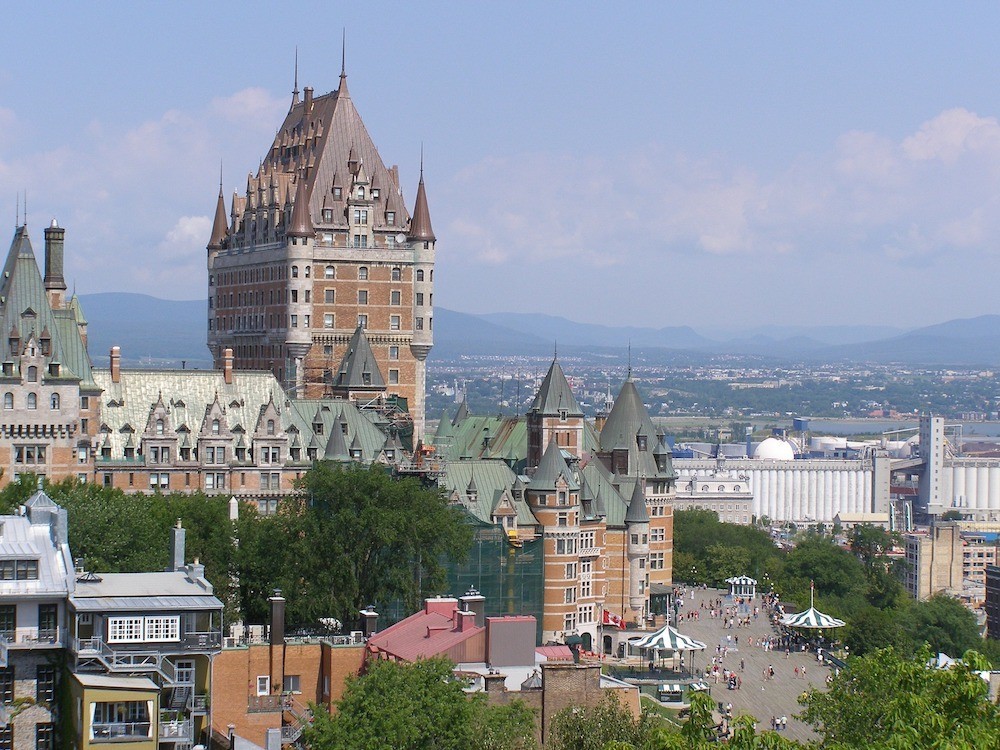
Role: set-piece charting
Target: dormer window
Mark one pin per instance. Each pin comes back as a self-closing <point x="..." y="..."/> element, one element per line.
<point x="390" y="218"/>
<point x="375" y="193"/>
<point x="338" y="193"/>
<point x="32" y="374"/>
<point x="328" y="215"/>
<point x="361" y="192"/>
<point x="215" y="426"/>
<point x="159" y="426"/>
<point x="641" y="442"/>
<point x="270" y="427"/>
<point x="563" y="415"/>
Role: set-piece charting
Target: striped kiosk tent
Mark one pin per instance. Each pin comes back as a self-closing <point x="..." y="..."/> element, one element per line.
<point x="812" y="618"/>
<point x="668" y="638"/>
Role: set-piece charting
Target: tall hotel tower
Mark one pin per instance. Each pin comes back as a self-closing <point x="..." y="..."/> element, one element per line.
<point x="319" y="272"/>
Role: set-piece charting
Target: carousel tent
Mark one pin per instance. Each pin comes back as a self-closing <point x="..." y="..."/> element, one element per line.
<point x="668" y="638"/>
<point x="812" y="618"/>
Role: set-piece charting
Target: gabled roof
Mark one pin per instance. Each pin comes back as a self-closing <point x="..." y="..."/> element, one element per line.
<point x="555" y="396"/>
<point x="627" y="425"/>
<point x="494" y="480"/>
<point x="358" y="369"/>
<point x="550" y="469"/>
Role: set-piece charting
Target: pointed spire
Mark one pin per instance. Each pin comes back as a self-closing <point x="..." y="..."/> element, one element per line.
<point x="342" y="88"/>
<point x="336" y="447"/>
<point x="301" y="223"/>
<point x="295" y="87"/>
<point x="221" y="225"/>
<point x="637" y="512"/>
<point x="555" y="394"/>
<point x="420" y="225"/>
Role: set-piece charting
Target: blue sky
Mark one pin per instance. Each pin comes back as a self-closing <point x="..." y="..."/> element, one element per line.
<point x="654" y="164"/>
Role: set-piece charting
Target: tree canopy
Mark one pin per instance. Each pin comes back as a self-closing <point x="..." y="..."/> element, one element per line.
<point x="354" y="536"/>
<point x="418" y="706"/>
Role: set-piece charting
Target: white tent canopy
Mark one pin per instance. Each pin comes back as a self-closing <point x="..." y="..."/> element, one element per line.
<point x="812" y="618"/>
<point x="668" y="638"/>
<point x="742" y="586"/>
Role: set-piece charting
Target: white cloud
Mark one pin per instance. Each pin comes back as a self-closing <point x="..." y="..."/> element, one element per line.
<point x="916" y="197"/>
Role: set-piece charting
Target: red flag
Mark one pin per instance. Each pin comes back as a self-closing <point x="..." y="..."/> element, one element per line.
<point x="614" y="620"/>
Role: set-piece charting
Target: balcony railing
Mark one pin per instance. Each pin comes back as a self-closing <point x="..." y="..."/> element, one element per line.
<point x="121" y="731"/>
<point x="197" y="703"/>
<point x="260" y="704"/>
<point x="175" y="730"/>
<point x="32" y="637"/>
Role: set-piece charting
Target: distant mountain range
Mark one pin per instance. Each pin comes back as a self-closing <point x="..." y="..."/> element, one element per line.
<point x="163" y="332"/>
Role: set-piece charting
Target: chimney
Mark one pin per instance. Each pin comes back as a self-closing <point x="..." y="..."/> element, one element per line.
<point x="116" y="364"/>
<point x="177" y="535"/>
<point x="475" y="602"/>
<point x="308" y="98"/>
<point x="277" y="619"/>
<point x="369" y="621"/>
<point x="464" y="620"/>
<point x="227" y="366"/>
<point x="55" y="284"/>
<point x="494" y="683"/>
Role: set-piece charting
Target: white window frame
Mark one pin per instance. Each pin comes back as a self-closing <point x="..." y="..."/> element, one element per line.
<point x="263" y="684"/>
<point x="162" y="629"/>
<point x="125" y="629"/>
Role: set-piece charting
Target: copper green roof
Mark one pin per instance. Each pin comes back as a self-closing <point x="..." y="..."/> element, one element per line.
<point x="359" y="369"/>
<point x="628" y="427"/>
<point x="24" y="310"/>
<point x="555" y="396"/>
<point x="494" y="484"/>
<point x="637" y="512"/>
<point x="550" y="469"/>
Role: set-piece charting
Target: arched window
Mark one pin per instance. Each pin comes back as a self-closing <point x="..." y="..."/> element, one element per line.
<point x="420" y="274"/>
<point x="396" y="274"/>
<point x="308" y="269"/>
<point x="32" y="401"/>
<point x="32" y="374"/>
<point x="270" y="427"/>
<point x="8" y="400"/>
<point x="54" y="401"/>
<point x="159" y="426"/>
<point x="329" y="272"/>
<point x="295" y="272"/>
<point x="215" y="426"/>
<point x="363" y="273"/>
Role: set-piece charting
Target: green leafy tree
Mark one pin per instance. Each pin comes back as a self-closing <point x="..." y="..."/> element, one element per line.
<point x="888" y="701"/>
<point x="944" y="624"/>
<point x="418" y="706"/>
<point x="385" y="538"/>
<point x="595" y="727"/>
<point x="872" y="629"/>
<point x="727" y="562"/>
<point x="871" y="544"/>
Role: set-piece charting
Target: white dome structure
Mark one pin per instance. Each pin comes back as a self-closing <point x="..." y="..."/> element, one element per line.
<point x="775" y="449"/>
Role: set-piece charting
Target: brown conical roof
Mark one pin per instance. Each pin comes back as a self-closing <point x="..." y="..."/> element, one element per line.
<point x="420" y="225"/>
<point x="301" y="223"/>
<point x="221" y="225"/>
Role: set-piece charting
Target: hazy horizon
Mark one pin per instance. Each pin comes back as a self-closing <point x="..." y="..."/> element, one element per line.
<point x="821" y="164"/>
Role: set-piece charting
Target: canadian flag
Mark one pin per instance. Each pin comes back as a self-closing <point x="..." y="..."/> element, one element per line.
<point x="615" y="620"/>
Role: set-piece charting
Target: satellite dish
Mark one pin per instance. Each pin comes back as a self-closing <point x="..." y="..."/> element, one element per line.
<point x="400" y="238"/>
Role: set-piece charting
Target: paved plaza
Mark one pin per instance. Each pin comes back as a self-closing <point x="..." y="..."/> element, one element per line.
<point x="758" y="696"/>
